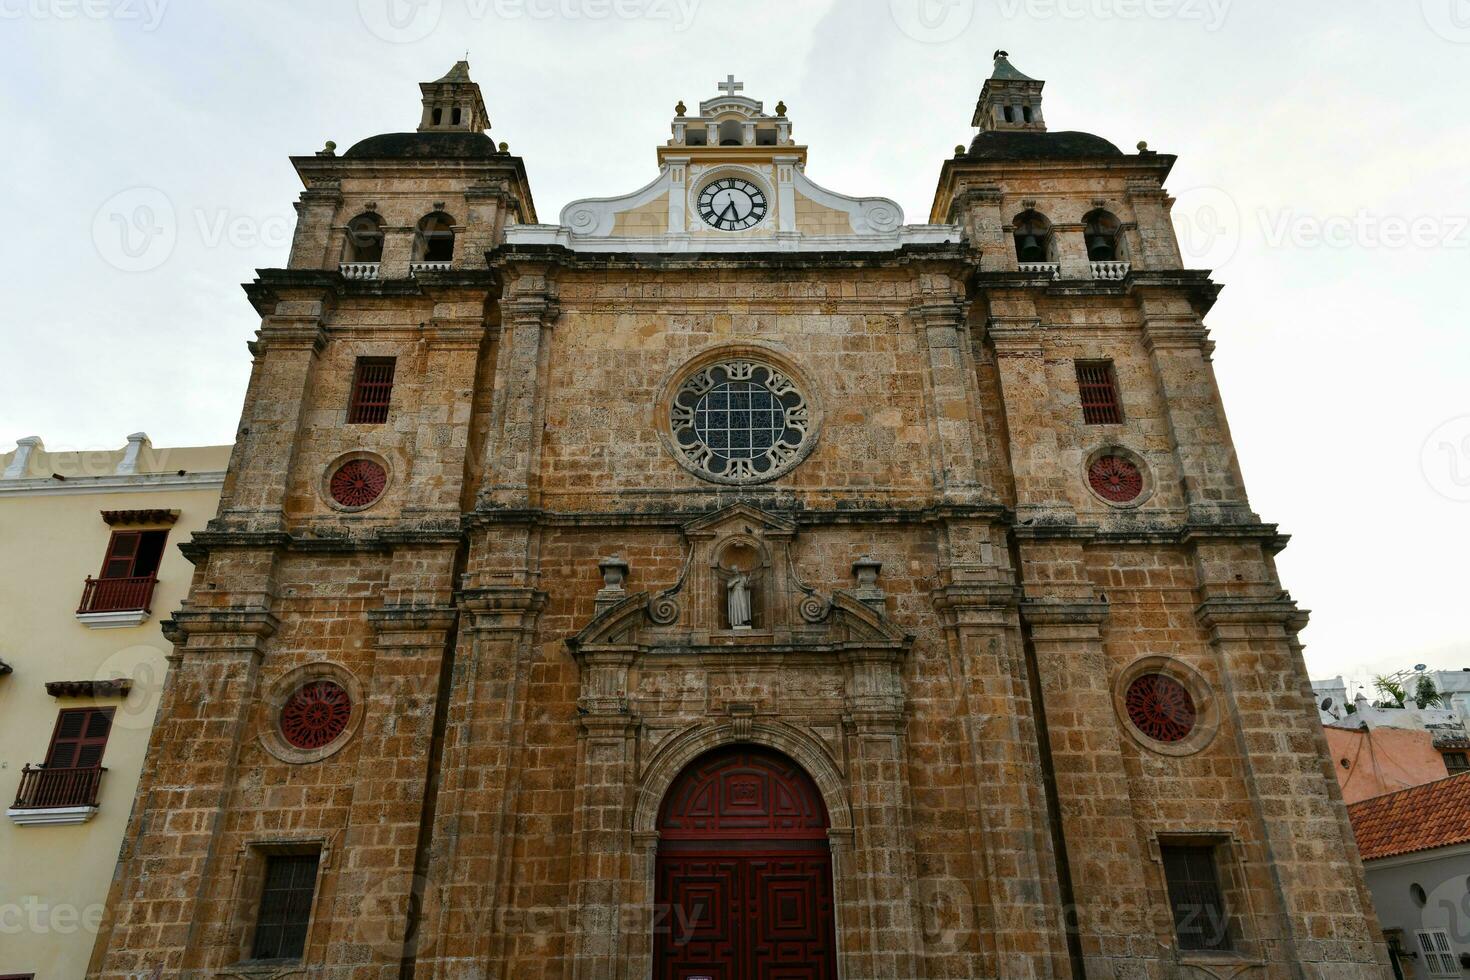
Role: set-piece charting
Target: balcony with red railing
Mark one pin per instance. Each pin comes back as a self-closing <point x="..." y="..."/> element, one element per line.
<point x="117" y="595"/>
<point x="61" y="795"/>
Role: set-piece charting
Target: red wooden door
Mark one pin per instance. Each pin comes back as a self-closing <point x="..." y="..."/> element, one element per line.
<point x="743" y="884"/>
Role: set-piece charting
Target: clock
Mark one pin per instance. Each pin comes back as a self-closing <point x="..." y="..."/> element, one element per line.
<point x="732" y="204"/>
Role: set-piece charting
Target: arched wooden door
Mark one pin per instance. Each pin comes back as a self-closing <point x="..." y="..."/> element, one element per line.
<point x="743" y="883"/>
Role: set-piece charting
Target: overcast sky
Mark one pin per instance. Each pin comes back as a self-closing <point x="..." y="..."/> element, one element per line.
<point x="1324" y="174"/>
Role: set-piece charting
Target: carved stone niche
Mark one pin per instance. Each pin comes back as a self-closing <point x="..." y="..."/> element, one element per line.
<point x="792" y="630"/>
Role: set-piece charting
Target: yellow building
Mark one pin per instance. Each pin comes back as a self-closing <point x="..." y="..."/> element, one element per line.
<point x="89" y="565"/>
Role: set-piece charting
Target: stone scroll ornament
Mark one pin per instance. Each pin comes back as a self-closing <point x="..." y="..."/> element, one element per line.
<point x="740" y="422"/>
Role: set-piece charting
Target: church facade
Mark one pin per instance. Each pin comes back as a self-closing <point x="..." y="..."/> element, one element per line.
<point x="730" y="580"/>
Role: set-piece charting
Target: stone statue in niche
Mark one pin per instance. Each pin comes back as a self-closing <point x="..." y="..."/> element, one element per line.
<point x="739" y="572"/>
<point x="737" y="598"/>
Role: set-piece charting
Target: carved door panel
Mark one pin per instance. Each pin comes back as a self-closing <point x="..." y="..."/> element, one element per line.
<point x="743" y="916"/>
<point x="743" y="881"/>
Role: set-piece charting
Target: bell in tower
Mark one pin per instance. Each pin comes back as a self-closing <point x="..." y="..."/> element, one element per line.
<point x="453" y="103"/>
<point x="1009" y="100"/>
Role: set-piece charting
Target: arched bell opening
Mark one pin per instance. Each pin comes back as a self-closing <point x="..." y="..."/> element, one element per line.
<point x="743" y="876"/>
<point x="1033" y="236"/>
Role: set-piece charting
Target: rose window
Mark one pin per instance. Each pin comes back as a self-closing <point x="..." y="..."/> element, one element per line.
<point x="358" y="482"/>
<point x="316" y="715"/>
<point x="1115" y="479"/>
<point x="740" y="422"/>
<point x="1161" y="708"/>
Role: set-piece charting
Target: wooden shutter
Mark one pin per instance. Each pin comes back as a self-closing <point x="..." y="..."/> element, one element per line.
<point x="80" y="738"/>
<point x="1098" y="386"/>
<point x="122" y="551"/>
<point x="1439" y="959"/>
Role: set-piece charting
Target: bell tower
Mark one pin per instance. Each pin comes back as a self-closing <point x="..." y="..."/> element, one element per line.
<point x="1009" y="101"/>
<point x="453" y="103"/>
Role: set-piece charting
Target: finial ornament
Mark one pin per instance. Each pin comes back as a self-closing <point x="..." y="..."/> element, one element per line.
<point x="681" y="108"/>
<point x="504" y="147"/>
<point x="999" y="54"/>
<point x="781" y="108"/>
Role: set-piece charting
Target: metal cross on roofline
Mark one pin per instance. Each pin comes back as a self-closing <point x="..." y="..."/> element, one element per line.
<point x="729" y="86"/>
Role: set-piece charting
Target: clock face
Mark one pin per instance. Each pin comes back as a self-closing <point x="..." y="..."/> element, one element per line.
<point x="732" y="204"/>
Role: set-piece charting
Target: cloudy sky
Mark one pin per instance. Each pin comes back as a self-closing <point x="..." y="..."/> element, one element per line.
<point x="1323" y="174"/>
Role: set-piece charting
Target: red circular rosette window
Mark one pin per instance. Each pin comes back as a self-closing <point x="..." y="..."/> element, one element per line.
<point x="358" y="482"/>
<point x="316" y="715"/>
<point x="1161" y="708"/>
<point x="1115" y="479"/>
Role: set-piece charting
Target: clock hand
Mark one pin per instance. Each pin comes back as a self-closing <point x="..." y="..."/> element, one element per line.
<point x="728" y="208"/>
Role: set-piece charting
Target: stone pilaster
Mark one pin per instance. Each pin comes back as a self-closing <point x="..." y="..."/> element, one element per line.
<point x="1104" y="858"/>
<point x="1153" y="245"/>
<point x="316" y="211"/>
<point x="468" y="872"/>
<point x="959" y="448"/>
<point x="527" y="313"/>
<point x="1023" y="916"/>
<point x="882" y="856"/>
<point x="452" y="341"/>
<point x="1014" y="333"/>
<point x="377" y="886"/>
<point x="1179" y="348"/>
<point x="286" y="351"/>
<point x="159" y="925"/>
<point x="1322" y="921"/>
<point x="602" y="826"/>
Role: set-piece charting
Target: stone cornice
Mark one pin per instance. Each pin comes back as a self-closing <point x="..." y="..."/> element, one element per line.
<point x="657" y="517"/>
<point x="961" y="256"/>
<point x="1227" y="611"/>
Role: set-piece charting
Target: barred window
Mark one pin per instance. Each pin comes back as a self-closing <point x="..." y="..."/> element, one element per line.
<point x="285" y="906"/>
<point x="1456" y="762"/>
<point x="1098" y="385"/>
<point x="1439" y="956"/>
<point x="372" y="389"/>
<point x="1195" y="897"/>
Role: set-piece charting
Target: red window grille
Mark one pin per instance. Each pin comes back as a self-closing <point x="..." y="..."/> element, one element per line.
<point x="358" y="483"/>
<point x="316" y="715"/>
<point x="1116" y="479"/>
<point x="372" y="389"/>
<point x="1195" y="897"/>
<point x="1098" y="385"/>
<point x="1161" y="708"/>
<point x="285" y="907"/>
<point x="80" y="738"/>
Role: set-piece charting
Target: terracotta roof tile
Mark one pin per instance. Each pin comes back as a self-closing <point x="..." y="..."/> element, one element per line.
<point x="1419" y="818"/>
